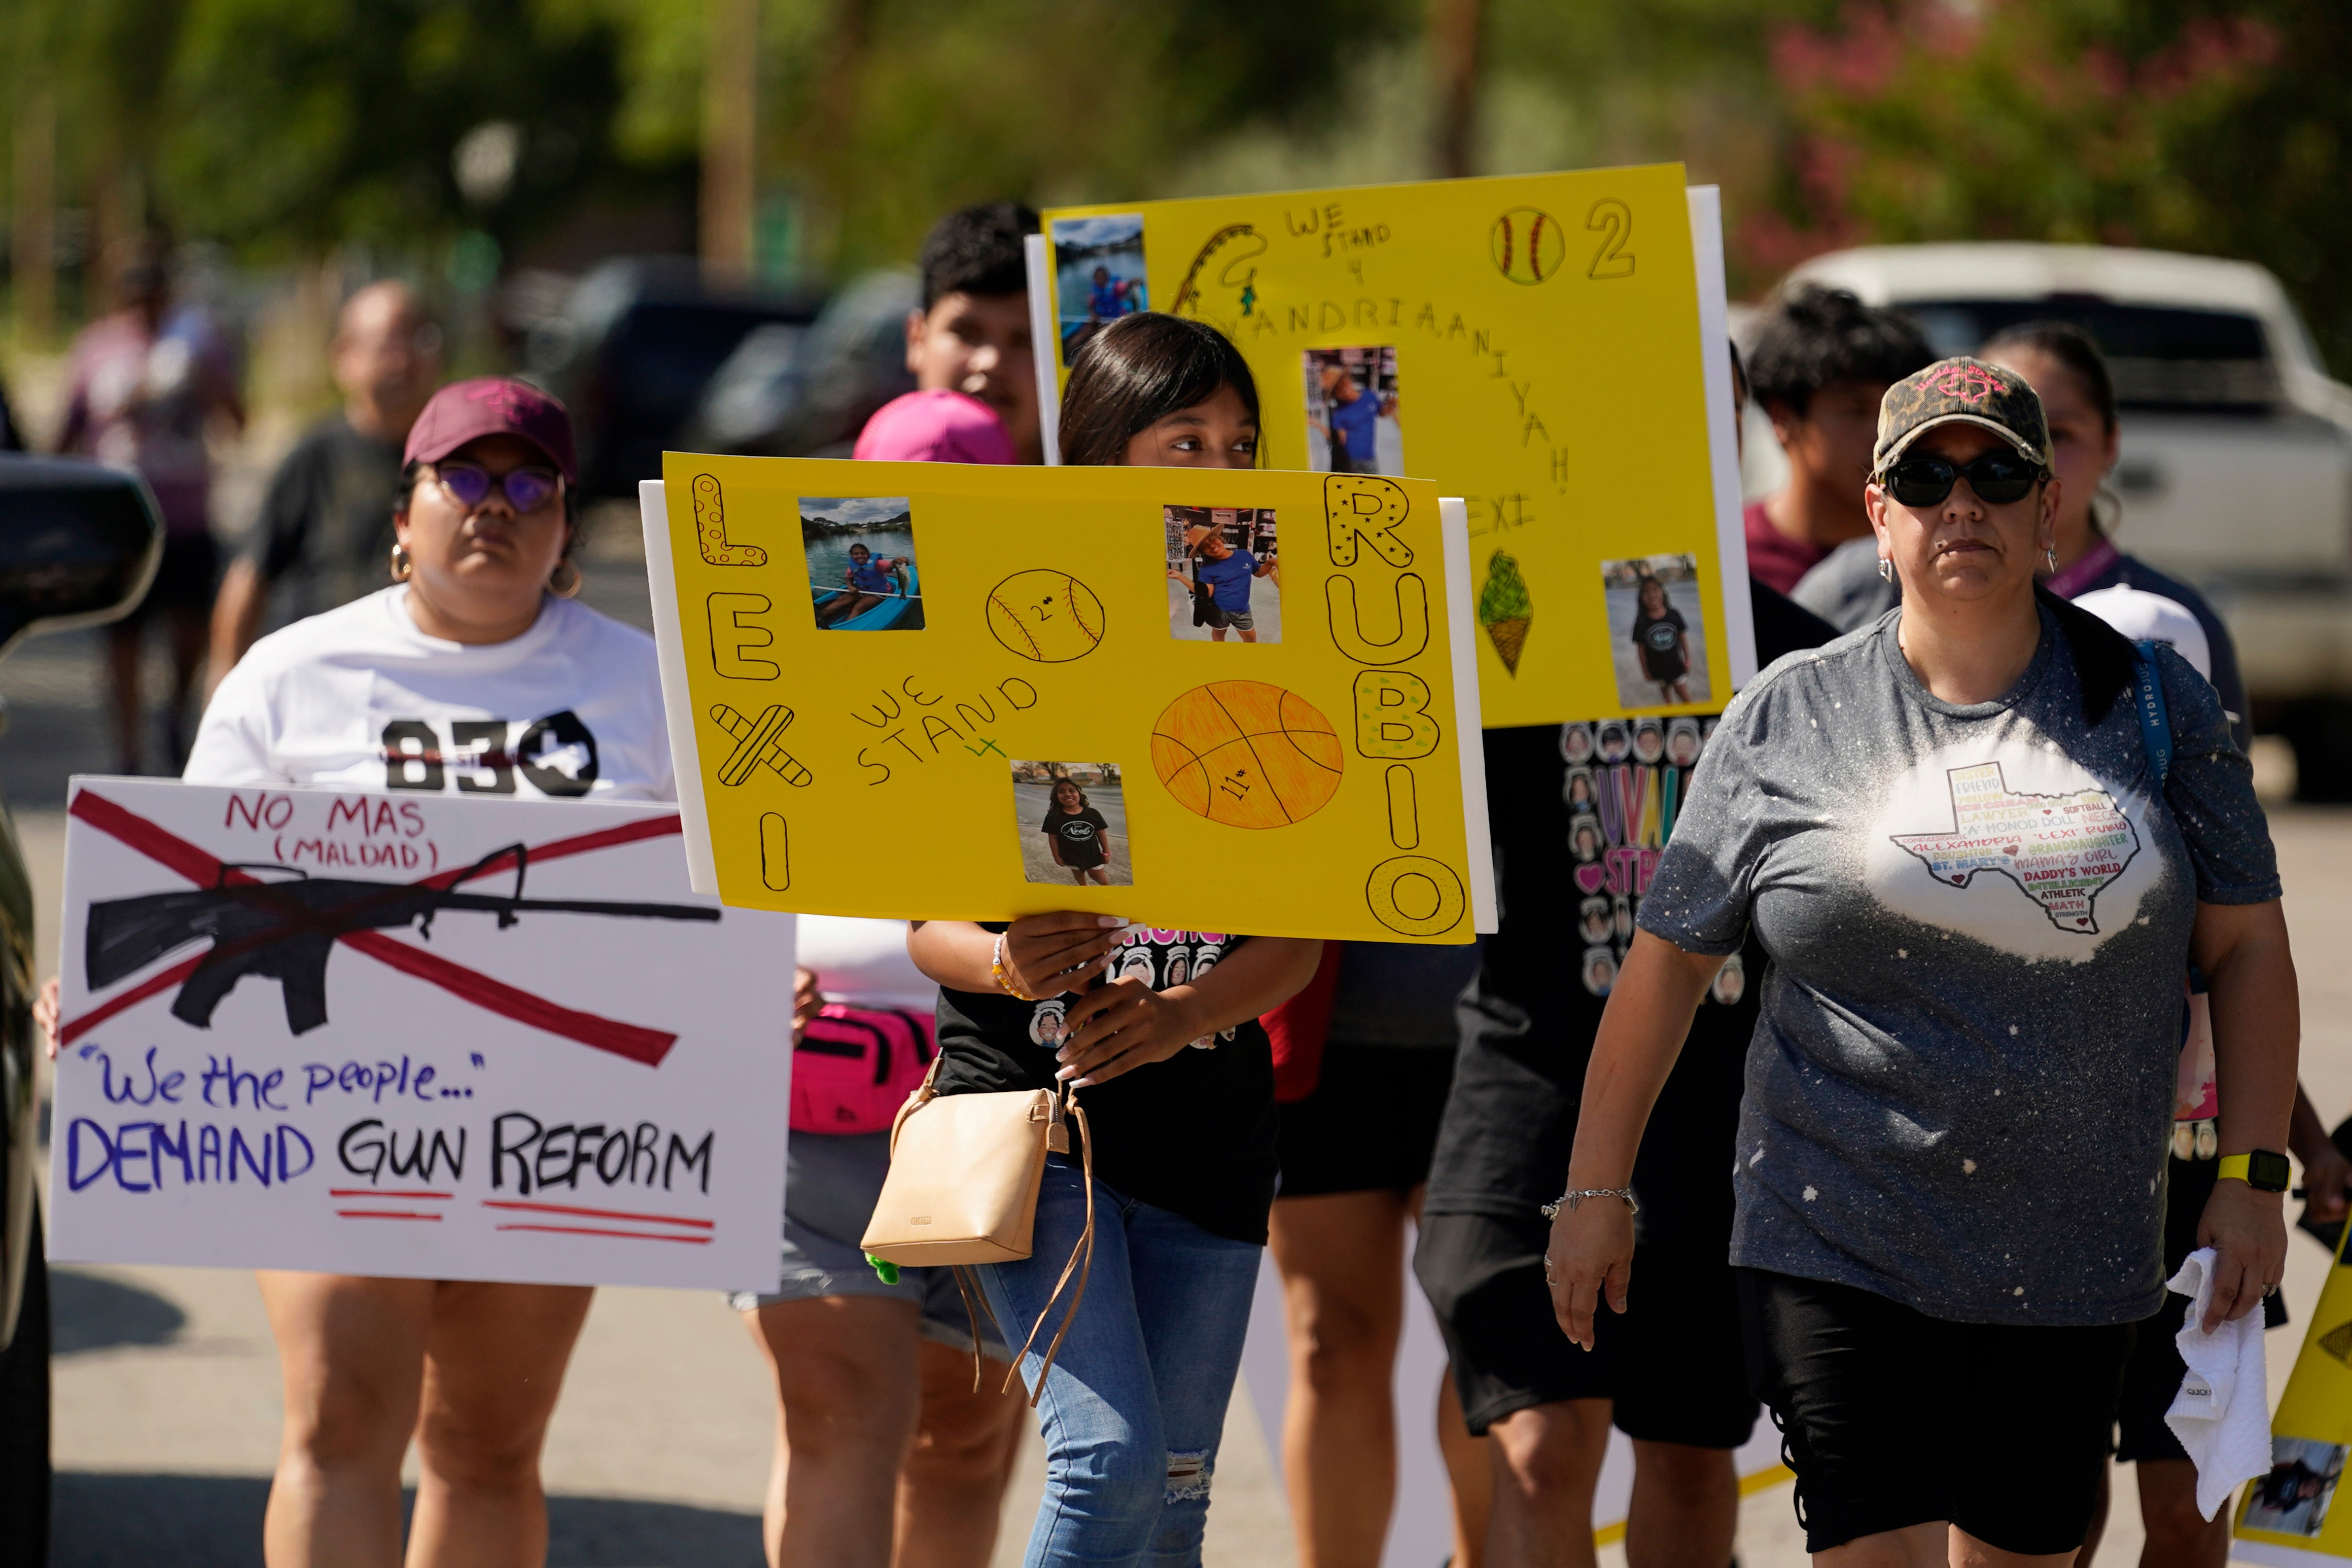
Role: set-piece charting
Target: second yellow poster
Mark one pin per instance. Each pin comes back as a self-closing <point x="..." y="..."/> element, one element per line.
<point x="1531" y="343"/>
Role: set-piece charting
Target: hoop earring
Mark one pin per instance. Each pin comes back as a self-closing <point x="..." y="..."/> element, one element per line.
<point x="1885" y="569"/>
<point x="565" y="581"/>
<point x="402" y="567"/>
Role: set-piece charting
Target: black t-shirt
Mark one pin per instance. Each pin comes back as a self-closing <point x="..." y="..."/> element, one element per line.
<point x="1079" y="834"/>
<point x="1192" y="1135"/>
<point x="1661" y="641"/>
<point x="1588" y="807"/>
<point x="326" y="518"/>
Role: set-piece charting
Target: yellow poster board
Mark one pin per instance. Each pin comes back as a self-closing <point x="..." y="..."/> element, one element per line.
<point x="1549" y="347"/>
<point x="1203" y="699"/>
<point x="2300" y="1513"/>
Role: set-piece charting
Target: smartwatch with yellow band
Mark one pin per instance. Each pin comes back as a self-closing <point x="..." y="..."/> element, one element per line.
<point x="2263" y="1170"/>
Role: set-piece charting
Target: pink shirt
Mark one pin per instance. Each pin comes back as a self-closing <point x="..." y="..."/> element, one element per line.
<point x="936" y="426"/>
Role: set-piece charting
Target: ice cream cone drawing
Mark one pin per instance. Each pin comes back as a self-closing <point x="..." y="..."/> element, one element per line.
<point x="1504" y="610"/>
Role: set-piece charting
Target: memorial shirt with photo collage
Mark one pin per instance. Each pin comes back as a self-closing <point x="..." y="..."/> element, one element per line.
<point x="1624" y="779"/>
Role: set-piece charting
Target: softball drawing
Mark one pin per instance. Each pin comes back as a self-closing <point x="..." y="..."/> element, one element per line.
<point x="1527" y="245"/>
<point x="1045" y="615"/>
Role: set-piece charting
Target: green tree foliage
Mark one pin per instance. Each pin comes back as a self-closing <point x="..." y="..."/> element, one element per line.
<point x="301" y="122"/>
<point x="287" y="126"/>
<point x="2194" y="127"/>
<point x="882" y="113"/>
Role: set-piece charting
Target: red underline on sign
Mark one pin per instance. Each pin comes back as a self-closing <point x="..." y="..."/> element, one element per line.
<point x="379" y="1192"/>
<point x="628" y="1235"/>
<point x="383" y="1214"/>
<point x="597" y="1212"/>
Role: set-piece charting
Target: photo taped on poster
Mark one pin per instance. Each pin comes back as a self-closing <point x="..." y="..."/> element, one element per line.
<point x="1657" y="633"/>
<point x="1224" y="580"/>
<point x="1351" y="411"/>
<point x="1072" y="821"/>
<point x="861" y="563"/>
<point x="2294" y="1497"/>
<point x="1099" y="275"/>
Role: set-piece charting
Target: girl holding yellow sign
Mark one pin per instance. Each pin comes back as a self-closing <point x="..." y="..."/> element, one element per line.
<point x="1177" y="1075"/>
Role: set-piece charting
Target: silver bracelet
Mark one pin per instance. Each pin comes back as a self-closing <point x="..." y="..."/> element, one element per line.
<point x="1569" y="1200"/>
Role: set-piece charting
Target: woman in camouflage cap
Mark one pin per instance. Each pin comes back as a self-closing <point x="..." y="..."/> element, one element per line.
<point x="1981" y="839"/>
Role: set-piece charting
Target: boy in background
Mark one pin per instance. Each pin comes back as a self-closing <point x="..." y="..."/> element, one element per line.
<point x="1820" y="362"/>
<point x="969" y="344"/>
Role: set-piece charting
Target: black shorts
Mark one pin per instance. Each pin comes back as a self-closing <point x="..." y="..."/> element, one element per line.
<point x="1893" y="1418"/>
<point x="184" y="578"/>
<point x="1372" y="1124"/>
<point x="1675" y="1363"/>
<point x="2152" y="1376"/>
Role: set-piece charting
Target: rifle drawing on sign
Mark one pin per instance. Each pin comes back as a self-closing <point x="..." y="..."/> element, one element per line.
<point x="286" y="930"/>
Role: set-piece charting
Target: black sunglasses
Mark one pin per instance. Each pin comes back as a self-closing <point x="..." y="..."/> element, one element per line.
<point x="1997" y="478"/>
<point x="526" y="489"/>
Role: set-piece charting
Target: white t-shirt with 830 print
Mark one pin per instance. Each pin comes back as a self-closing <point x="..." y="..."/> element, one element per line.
<point x="358" y="698"/>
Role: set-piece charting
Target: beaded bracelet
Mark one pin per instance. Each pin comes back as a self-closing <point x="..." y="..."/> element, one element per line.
<point x="1004" y="980"/>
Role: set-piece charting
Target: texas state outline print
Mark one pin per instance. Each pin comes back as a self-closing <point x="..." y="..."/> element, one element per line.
<point x="2061" y="850"/>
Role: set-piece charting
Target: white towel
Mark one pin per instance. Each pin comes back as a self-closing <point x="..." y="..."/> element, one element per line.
<point x="2222" y="1415"/>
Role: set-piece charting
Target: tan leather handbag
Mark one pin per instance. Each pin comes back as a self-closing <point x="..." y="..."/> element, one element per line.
<point x="962" y="1189"/>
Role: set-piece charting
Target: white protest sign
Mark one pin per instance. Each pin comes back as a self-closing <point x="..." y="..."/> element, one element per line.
<point x="412" y="1035"/>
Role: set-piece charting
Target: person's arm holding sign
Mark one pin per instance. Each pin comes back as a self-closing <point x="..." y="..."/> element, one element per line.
<point x="1124" y="1024"/>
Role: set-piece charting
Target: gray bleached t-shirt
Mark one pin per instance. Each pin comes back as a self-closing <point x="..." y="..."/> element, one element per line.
<point x="1961" y="1086"/>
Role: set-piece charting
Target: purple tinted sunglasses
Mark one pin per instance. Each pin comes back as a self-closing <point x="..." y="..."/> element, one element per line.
<point x="526" y="489"/>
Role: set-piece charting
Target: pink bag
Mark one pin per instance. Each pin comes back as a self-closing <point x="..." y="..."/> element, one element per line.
<point x="855" y="1066"/>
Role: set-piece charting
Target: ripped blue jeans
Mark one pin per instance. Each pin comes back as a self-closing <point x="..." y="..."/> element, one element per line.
<point x="1136" y="1402"/>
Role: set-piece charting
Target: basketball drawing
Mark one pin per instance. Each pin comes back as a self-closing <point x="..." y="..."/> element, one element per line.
<point x="1527" y="245"/>
<point x="1246" y="754"/>
<point x="1045" y="615"/>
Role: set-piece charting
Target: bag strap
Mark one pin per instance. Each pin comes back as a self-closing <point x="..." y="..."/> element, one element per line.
<point x="2155" y="720"/>
<point x="923" y="1095"/>
<point x="1082" y="1263"/>
<point x="968" y="1287"/>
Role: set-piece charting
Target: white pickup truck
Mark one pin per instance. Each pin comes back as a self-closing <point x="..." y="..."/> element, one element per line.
<point x="2236" y="471"/>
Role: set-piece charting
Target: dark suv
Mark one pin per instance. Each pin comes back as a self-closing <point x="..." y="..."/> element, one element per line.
<point x="78" y="545"/>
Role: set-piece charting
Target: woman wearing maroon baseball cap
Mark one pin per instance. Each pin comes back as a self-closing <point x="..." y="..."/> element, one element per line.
<point x="476" y="672"/>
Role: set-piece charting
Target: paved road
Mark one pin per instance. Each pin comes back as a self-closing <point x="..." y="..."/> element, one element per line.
<point x="167" y="1419"/>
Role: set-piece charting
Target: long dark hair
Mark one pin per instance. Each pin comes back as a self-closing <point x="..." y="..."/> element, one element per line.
<point x="1137" y="371"/>
<point x="2071" y="347"/>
